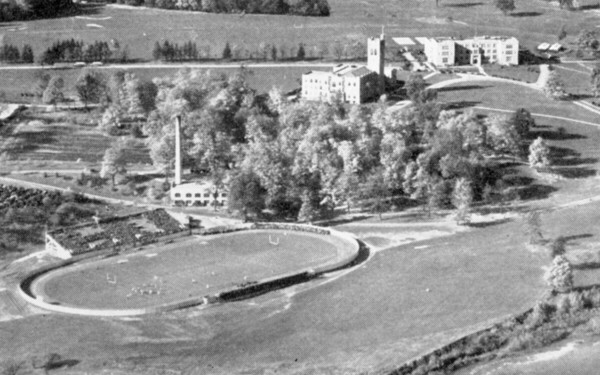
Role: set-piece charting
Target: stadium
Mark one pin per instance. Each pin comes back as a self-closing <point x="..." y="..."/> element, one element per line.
<point x="134" y="271"/>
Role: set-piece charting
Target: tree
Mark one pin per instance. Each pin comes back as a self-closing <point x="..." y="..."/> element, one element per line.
<point x="301" y="52"/>
<point x="416" y="90"/>
<point x="462" y="198"/>
<point x="27" y="54"/>
<point x="539" y="153"/>
<point x="338" y="50"/>
<point x="42" y="80"/>
<point x="554" y="87"/>
<point x="522" y="121"/>
<point x="587" y="39"/>
<point x="562" y="33"/>
<point x="114" y="161"/>
<point x="53" y="93"/>
<point x="274" y="52"/>
<point x="506" y="6"/>
<point x="560" y="276"/>
<point x="147" y="91"/>
<point x="91" y="87"/>
<point x="246" y="193"/>
<point x="226" y="52"/>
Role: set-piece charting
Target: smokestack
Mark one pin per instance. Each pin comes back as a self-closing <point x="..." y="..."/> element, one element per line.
<point x="178" y="150"/>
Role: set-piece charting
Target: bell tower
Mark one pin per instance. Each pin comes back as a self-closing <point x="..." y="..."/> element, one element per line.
<point x="376" y="56"/>
<point x="376" y="53"/>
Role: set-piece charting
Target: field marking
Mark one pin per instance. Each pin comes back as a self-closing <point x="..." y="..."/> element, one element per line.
<point x="151" y="255"/>
<point x="421" y="247"/>
<point x="95" y="26"/>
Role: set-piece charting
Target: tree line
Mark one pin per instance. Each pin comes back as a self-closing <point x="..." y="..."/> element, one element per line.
<point x="314" y="8"/>
<point x="32" y="9"/>
<point x="190" y="51"/>
<point x="72" y="50"/>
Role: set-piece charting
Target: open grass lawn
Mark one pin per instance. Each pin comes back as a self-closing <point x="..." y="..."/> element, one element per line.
<point x="533" y="22"/>
<point x="511" y="97"/>
<point x="35" y="141"/>
<point x="576" y="79"/>
<point x="194" y="267"/>
<point x="522" y="73"/>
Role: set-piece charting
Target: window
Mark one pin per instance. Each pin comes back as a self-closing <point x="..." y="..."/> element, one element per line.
<point x="445" y="53"/>
<point x="445" y="47"/>
<point x="206" y="195"/>
<point x="223" y="195"/>
<point x="188" y="195"/>
<point x="197" y="195"/>
<point x="177" y="195"/>
<point x="509" y="52"/>
<point x="509" y="46"/>
<point x="445" y="60"/>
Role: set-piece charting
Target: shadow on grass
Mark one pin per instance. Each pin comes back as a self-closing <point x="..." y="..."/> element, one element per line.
<point x="525" y="14"/>
<point x="462" y="5"/>
<point x="575" y="173"/>
<point x="460" y="88"/>
<point x="571" y="162"/>
<point x="586" y="266"/>
<point x="554" y="136"/>
<point x="62" y="364"/>
<point x="341" y="221"/>
<point x="460" y="105"/>
<point x="536" y="191"/>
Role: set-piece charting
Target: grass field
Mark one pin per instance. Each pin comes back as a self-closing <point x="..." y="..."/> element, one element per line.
<point x="510" y="96"/>
<point x="194" y="267"/>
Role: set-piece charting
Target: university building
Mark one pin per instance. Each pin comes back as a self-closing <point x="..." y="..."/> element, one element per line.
<point x="478" y="50"/>
<point x="354" y="84"/>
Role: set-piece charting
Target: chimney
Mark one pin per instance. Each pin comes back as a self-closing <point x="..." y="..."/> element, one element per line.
<point x="178" y="150"/>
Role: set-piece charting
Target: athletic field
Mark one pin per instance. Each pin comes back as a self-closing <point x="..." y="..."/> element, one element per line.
<point x="191" y="267"/>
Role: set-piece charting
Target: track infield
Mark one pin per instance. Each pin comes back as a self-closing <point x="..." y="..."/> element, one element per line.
<point x="196" y="266"/>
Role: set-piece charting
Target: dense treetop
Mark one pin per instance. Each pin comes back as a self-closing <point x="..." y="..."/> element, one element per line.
<point x="293" y="7"/>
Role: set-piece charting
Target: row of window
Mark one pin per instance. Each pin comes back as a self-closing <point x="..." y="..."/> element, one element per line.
<point x="198" y="195"/>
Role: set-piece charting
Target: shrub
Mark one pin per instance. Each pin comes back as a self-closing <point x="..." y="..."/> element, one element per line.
<point x="576" y="301"/>
<point x="542" y="312"/>
<point x="557" y="246"/>
<point x="563" y="304"/>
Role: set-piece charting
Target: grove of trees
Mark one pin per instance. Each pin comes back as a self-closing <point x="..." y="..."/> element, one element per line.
<point x="300" y="159"/>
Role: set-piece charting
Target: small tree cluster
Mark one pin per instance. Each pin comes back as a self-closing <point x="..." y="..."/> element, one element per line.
<point x="554" y="87"/>
<point x="72" y="50"/>
<point x="506" y="6"/>
<point x="169" y="51"/>
<point x="539" y="154"/>
<point x="560" y="276"/>
<point x="11" y="54"/>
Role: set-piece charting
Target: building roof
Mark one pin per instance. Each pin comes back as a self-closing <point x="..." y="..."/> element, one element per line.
<point x="555" y="47"/>
<point x="543" y="46"/>
<point x="402" y="41"/>
<point x="358" y="72"/>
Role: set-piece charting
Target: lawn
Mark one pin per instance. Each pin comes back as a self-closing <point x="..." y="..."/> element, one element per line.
<point x="509" y="96"/>
<point x="194" y="267"/>
<point x="522" y="73"/>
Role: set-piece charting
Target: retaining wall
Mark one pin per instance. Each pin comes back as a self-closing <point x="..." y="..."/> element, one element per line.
<point x="349" y="252"/>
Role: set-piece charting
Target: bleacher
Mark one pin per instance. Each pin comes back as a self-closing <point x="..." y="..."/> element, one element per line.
<point x="117" y="231"/>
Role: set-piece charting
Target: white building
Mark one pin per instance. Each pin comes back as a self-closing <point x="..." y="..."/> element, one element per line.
<point x="474" y="51"/>
<point x="198" y="194"/>
<point x="352" y="83"/>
